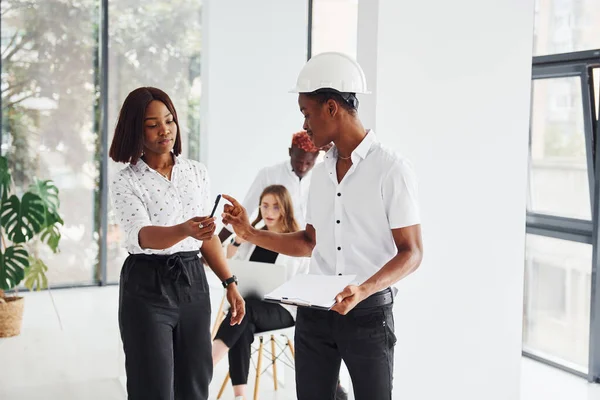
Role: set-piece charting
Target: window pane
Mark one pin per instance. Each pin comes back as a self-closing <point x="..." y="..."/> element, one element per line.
<point x="157" y="44"/>
<point x="558" y="176"/>
<point x="335" y="26"/>
<point x="556" y="308"/>
<point x="562" y="26"/>
<point x="48" y="127"/>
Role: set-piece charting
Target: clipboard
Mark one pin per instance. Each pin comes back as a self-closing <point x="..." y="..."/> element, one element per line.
<point x="298" y="303"/>
<point x="312" y="291"/>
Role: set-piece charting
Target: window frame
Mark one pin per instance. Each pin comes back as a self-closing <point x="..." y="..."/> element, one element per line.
<point x="577" y="64"/>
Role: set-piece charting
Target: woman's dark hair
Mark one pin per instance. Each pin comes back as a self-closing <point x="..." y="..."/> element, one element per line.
<point x="128" y="141"/>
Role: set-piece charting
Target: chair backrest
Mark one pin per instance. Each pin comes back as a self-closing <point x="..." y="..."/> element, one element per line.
<point x="257" y="279"/>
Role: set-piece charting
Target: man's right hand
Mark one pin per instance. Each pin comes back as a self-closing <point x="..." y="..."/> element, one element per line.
<point x="235" y="214"/>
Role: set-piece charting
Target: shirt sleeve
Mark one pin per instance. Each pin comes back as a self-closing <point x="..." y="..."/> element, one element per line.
<point x="400" y="196"/>
<point x="130" y="210"/>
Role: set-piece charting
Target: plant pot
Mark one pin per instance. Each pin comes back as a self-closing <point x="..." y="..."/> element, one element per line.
<point x="11" y="316"/>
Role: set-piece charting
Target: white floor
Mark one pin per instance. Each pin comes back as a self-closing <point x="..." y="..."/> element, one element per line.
<point x="76" y="354"/>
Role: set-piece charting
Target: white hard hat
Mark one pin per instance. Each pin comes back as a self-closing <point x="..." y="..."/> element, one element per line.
<point x="331" y="70"/>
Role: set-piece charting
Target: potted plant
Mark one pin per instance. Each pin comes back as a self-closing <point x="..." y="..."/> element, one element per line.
<point x="26" y="223"/>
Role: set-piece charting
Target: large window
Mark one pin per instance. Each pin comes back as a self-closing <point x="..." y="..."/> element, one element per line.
<point x="561" y="323"/>
<point x="55" y="88"/>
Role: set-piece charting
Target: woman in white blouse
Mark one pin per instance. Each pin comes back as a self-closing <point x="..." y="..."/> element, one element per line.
<point x="162" y="202"/>
<point x="275" y="209"/>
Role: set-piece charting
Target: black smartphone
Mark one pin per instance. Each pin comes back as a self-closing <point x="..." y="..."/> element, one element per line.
<point x="212" y="214"/>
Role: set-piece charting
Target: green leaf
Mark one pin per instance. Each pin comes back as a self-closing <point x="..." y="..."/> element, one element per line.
<point x="54" y="218"/>
<point x="51" y="233"/>
<point x="13" y="263"/>
<point x="51" y="236"/>
<point x="23" y="219"/>
<point x="5" y="178"/>
<point x="35" y="274"/>
<point x="48" y="192"/>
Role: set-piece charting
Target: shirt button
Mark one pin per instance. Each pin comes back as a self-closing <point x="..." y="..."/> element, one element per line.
<point x="339" y="194"/>
<point x="339" y="248"/>
<point x="338" y="221"/>
<point x="339" y="274"/>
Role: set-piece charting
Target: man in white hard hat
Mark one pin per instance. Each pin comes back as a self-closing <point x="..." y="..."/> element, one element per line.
<point x="362" y="219"/>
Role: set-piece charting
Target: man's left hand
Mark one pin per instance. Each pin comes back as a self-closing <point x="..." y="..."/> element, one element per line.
<point x="237" y="303"/>
<point x="348" y="298"/>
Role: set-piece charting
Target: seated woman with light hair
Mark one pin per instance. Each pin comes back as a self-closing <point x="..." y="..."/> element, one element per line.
<point x="277" y="213"/>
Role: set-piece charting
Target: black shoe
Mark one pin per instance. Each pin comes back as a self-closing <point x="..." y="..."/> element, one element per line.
<point x="340" y="393"/>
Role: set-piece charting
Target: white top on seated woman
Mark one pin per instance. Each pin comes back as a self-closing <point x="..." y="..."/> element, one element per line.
<point x="275" y="209"/>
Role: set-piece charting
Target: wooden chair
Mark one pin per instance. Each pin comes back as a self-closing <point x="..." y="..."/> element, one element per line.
<point x="282" y="350"/>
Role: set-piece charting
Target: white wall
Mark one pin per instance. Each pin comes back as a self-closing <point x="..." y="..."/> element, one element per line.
<point x="453" y="81"/>
<point x="252" y="53"/>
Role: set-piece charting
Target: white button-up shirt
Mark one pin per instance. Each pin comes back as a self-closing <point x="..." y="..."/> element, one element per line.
<point x="280" y="174"/>
<point x="143" y="197"/>
<point x="354" y="219"/>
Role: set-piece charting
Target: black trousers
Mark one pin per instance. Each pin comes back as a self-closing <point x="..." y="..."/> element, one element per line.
<point x="364" y="339"/>
<point x="260" y="317"/>
<point x="164" y="317"/>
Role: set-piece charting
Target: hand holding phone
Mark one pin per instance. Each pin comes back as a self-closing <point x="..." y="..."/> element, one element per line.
<point x="202" y="228"/>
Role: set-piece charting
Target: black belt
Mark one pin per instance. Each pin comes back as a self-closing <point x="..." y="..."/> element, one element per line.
<point x="383" y="298"/>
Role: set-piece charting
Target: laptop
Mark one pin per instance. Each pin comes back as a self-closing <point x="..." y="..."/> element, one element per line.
<point x="257" y="279"/>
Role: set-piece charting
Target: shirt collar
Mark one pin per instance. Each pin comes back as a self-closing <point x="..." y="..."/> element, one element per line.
<point x="360" y="152"/>
<point x="141" y="164"/>
<point x="363" y="148"/>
